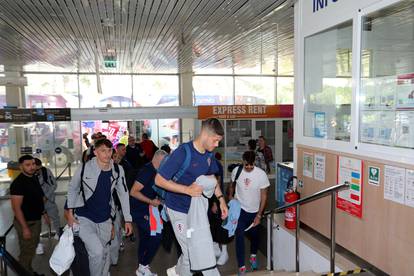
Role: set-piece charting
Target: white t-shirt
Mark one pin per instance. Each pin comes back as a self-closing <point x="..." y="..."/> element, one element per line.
<point x="248" y="188"/>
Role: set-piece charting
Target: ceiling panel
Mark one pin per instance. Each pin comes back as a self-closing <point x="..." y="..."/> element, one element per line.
<point x="146" y="36"/>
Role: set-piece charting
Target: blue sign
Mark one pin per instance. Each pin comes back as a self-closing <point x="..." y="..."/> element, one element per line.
<point x="321" y="4"/>
<point x="50" y="117"/>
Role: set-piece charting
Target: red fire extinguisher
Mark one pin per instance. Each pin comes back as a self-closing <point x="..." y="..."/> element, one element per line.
<point x="291" y="195"/>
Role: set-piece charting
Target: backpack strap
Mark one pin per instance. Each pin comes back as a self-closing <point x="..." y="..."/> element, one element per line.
<point x="82" y="190"/>
<point x="45" y="176"/>
<point x="185" y="164"/>
<point x="116" y="167"/>
<point x="239" y="171"/>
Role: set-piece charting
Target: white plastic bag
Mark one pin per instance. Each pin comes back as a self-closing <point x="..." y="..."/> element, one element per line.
<point x="64" y="253"/>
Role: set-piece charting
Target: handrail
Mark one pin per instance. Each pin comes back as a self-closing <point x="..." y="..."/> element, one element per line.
<point x="308" y="199"/>
<point x="7" y="260"/>
<point x="326" y="192"/>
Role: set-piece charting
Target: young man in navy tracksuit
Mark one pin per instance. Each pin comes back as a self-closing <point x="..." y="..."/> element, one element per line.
<point x="180" y="191"/>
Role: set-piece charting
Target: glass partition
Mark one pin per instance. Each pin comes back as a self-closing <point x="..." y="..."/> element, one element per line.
<point x="285" y="90"/>
<point x="160" y="90"/>
<point x="387" y="77"/>
<point x="328" y="83"/>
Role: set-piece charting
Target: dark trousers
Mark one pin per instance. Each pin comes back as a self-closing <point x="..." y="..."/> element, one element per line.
<point x="28" y="247"/>
<point x="148" y="245"/>
<point x="245" y="220"/>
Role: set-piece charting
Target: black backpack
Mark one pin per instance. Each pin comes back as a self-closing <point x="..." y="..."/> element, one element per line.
<point x="45" y="176"/>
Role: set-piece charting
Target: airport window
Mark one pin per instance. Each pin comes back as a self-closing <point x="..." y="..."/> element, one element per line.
<point x="3" y="96"/>
<point x="285" y="90"/>
<point x="112" y="91"/>
<point x="51" y="91"/>
<point x="387" y="77"/>
<point x="156" y="90"/>
<point x="255" y="90"/>
<point x="213" y="90"/>
<point x="328" y="83"/>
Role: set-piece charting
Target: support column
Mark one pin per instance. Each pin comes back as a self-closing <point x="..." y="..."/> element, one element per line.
<point x="15" y="96"/>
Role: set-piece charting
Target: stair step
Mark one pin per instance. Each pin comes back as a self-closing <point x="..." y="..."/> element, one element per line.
<point x="281" y="273"/>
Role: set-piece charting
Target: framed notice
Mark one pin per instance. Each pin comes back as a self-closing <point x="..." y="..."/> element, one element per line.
<point x="350" y="170"/>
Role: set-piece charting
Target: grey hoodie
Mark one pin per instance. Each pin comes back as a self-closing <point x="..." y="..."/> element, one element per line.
<point x="90" y="180"/>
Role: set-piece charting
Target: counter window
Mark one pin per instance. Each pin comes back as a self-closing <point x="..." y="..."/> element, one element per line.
<point x="328" y="83"/>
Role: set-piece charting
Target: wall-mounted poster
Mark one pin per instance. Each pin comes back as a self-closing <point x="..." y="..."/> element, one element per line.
<point x="394" y="184"/>
<point x="350" y="170"/>
<point x="308" y="164"/>
<point x="409" y="188"/>
<point x="320" y="167"/>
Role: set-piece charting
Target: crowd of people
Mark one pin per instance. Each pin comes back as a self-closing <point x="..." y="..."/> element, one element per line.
<point x="180" y="194"/>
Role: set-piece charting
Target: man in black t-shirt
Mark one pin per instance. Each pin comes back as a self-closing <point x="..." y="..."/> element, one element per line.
<point x="27" y="200"/>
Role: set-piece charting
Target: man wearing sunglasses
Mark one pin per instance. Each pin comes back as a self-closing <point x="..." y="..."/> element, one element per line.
<point x="251" y="191"/>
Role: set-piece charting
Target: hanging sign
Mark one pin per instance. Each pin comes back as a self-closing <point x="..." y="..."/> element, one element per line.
<point x="350" y="170"/>
<point x="25" y="115"/>
<point x="245" y="111"/>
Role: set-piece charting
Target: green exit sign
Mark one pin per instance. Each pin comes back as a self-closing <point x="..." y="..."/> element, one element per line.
<point x="110" y="62"/>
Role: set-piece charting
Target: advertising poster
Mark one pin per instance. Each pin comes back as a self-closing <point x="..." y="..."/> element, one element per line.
<point x="405" y="91"/>
<point x="394" y="184"/>
<point x="320" y="167"/>
<point x="409" y="188"/>
<point x="308" y="164"/>
<point x="350" y="170"/>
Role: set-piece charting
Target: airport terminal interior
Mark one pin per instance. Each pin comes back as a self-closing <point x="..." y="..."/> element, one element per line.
<point x="320" y="92"/>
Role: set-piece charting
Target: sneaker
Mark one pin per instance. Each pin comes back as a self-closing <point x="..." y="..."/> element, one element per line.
<point x="242" y="271"/>
<point x="253" y="262"/>
<point x="171" y="271"/>
<point x="121" y="247"/>
<point x="144" y="271"/>
<point x="217" y="250"/>
<point x="224" y="257"/>
<point x="40" y="249"/>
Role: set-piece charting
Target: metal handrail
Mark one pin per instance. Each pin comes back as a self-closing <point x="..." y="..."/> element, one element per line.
<point x="315" y="196"/>
<point x="326" y="192"/>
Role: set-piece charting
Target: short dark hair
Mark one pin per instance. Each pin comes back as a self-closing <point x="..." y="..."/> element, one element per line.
<point x="103" y="142"/>
<point x="249" y="157"/>
<point x="38" y="162"/>
<point x="261" y="136"/>
<point x="25" y="157"/>
<point x="166" y="148"/>
<point x="252" y="144"/>
<point x="217" y="155"/>
<point x="213" y="125"/>
<point x="120" y="145"/>
<point x="144" y="136"/>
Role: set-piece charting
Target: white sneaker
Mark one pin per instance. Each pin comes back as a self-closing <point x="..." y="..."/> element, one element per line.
<point x="40" y="249"/>
<point x="217" y="250"/>
<point x="144" y="271"/>
<point x="171" y="271"/>
<point x="224" y="257"/>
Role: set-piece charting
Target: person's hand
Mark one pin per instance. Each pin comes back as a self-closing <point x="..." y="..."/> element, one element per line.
<point x="112" y="232"/>
<point x="224" y="210"/>
<point x="46" y="219"/>
<point x="128" y="228"/>
<point x="27" y="234"/>
<point x="257" y="220"/>
<point x="155" y="202"/>
<point x="214" y="208"/>
<point x="71" y="219"/>
<point x="194" y="190"/>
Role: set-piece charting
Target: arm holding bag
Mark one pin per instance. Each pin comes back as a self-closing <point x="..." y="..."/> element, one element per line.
<point x="64" y="253"/>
